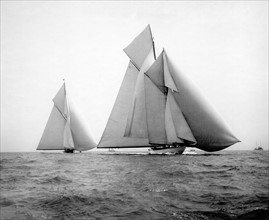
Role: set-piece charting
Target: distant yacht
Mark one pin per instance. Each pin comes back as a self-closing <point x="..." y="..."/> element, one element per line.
<point x="65" y="129"/>
<point x="258" y="147"/>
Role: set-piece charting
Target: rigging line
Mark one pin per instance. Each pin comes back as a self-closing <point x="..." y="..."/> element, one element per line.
<point x="64" y="116"/>
<point x="135" y="65"/>
<point x="154" y="53"/>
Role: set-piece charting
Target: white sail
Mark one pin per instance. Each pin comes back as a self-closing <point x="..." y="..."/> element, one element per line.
<point x="82" y="139"/>
<point x="182" y="129"/>
<point x="142" y="55"/>
<point x="52" y="138"/>
<point x="172" y="136"/>
<point x="140" y="47"/>
<point x="178" y="114"/>
<point x="126" y="126"/>
<point x="62" y="104"/>
<point x="68" y="141"/>
<point x="60" y="101"/>
<point x="136" y="123"/>
<point x="165" y="121"/>
<point x="64" y="129"/>
<point x="210" y="131"/>
<point x="155" y="111"/>
<point x="113" y="135"/>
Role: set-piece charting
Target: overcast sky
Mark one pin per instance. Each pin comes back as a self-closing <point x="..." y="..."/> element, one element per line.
<point x="221" y="45"/>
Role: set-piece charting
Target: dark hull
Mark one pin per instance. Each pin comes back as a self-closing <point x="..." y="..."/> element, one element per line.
<point x="69" y="151"/>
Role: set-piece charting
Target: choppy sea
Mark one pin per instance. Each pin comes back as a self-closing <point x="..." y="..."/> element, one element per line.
<point x="224" y="185"/>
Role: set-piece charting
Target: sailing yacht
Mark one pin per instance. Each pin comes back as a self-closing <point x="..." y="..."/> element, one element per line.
<point x="158" y="111"/>
<point x="65" y="129"/>
<point x="258" y="147"/>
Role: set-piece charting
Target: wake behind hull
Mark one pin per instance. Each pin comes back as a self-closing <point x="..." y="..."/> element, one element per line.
<point x="171" y="150"/>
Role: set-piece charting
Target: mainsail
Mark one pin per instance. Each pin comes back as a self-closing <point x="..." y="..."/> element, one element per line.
<point x="157" y="106"/>
<point x="126" y="126"/>
<point x="65" y="128"/>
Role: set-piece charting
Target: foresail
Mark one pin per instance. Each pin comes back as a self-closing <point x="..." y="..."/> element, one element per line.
<point x="182" y="129"/>
<point x="165" y="121"/>
<point x="61" y="102"/>
<point x="52" y="138"/>
<point x="168" y="79"/>
<point x="113" y="135"/>
<point x="208" y="128"/>
<point x="172" y="136"/>
<point x="80" y="132"/>
<point x="68" y="141"/>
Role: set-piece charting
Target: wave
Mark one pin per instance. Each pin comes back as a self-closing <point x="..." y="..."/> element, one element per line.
<point x="97" y="204"/>
<point x="226" y="187"/>
<point x="32" y="161"/>
<point x="172" y="174"/>
<point x="11" y="180"/>
<point x="87" y="186"/>
<point x="4" y="202"/>
<point x="261" y="214"/>
<point x="56" y="180"/>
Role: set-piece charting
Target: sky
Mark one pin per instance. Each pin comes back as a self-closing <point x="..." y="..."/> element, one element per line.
<point x="222" y="46"/>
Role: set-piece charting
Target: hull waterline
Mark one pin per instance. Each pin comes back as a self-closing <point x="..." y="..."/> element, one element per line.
<point x="146" y="151"/>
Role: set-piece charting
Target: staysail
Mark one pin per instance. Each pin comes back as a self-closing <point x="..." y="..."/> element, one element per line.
<point x="65" y="129"/>
<point x="165" y="121"/>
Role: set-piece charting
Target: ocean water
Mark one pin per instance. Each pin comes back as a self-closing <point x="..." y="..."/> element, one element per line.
<point x="225" y="185"/>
